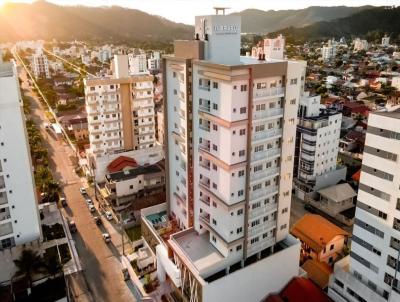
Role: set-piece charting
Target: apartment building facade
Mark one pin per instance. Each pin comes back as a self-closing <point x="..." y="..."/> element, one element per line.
<point x="328" y="51"/>
<point x="317" y="141"/>
<point x="370" y="272"/>
<point x="19" y="217"/>
<point x="360" y="44"/>
<point x="40" y="65"/>
<point x="137" y="63"/>
<point x="230" y="125"/>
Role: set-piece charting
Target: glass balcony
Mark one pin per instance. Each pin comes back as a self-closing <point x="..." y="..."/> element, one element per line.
<point x="268" y="92"/>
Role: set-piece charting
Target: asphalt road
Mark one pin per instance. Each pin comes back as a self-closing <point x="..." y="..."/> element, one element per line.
<point x="100" y="261"/>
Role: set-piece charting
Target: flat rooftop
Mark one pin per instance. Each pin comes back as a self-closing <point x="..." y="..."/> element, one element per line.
<point x="198" y="249"/>
<point x="6" y="69"/>
<point x="132" y="173"/>
<point x="393" y="114"/>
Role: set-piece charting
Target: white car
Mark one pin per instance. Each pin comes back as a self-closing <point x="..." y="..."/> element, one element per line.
<point x="109" y="215"/>
<point x="82" y="190"/>
<point x="107" y="237"/>
<point x="92" y="208"/>
<point x="89" y="201"/>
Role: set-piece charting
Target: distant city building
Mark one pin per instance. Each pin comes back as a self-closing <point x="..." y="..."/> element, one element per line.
<point x="137" y="63"/>
<point x="269" y="49"/>
<point x="120" y="112"/>
<point x="153" y="63"/>
<point x="370" y="272"/>
<point x="230" y="145"/>
<point x="329" y="51"/>
<point x="385" y="41"/>
<point x="360" y="44"/>
<point x="40" y="65"/>
<point x="19" y="215"/>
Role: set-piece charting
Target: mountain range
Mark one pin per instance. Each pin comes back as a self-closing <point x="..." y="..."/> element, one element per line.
<point x="43" y="20"/>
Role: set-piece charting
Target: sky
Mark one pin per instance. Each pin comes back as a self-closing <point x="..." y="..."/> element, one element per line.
<point x="185" y="10"/>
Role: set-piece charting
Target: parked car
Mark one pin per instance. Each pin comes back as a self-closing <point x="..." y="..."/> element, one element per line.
<point x="89" y="201"/>
<point x="108" y="215"/>
<point x="97" y="220"/>
<point x="125" y="273"/>
<point x="72" y="226"/>
<point x="63" y="202"/>
<point x="82" y="190"/>
<point x="107" y="237"/>
<point x="92" y="208"/>
<point x="309" y="208"/>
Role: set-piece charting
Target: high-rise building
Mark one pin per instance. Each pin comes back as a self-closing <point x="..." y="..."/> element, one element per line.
<point x="385" y="41"/>
<point x="120" y="112"/>
<point x="230" y="126"/>
<point x="40" y="65"/>
<point x="19" y="217"/>
<point x="360" y="44"/>
<point x="371" y="271"/>
<point x="137" y="63"/>
<point x="329" y="51"/>
<point x="317" y="141"/>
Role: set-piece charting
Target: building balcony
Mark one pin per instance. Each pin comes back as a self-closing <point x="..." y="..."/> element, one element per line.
<point x="3" y="198"/>
<point x="395" y="244"/>
<point x="264" y="192"/>
<point x="205" y="127"/>
<point x="205" y="200"/>
<point x="265" y="154"/>
<point x="5" y="215"/>
<point x="92" y="112"/>
<point x="205" y="88"/>
<point x="205" y="108"/>
<point x="205" y="182"/>
<point x="205" y="145"/>
<point x="259" y="246"/>
<point x="262" y="210"/>
<point x="268" y="93"/>
<point x="205" y="164"/>
<point x="265" y="135"/>
<point x="274" y="112"/>
<point x="6" y="229"/>
<point x="263" y="174"/>
<point x="261" y="228"/>
<point x="205" y="217"/>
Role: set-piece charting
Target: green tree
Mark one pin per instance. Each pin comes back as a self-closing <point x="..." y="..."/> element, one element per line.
<point x="52" y="265"/>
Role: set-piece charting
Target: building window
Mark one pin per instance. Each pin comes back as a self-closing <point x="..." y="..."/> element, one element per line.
<point x="243" y="88"/>
<point x="241" y="173"/>
<point x="239" y="247"/>
<point x="214" y="222"/>
<point x="293" y="102"/>
<point x="215" y="185"/>
<point x="240" y="212"/>
<point x="283" y="226"/>
<point x="214" y="239"/>
<point x="215" y="85"/>
<point x="214" y="204"/>
<point x="214" y="166"/>
<point x="242" y="110"/>
<point x="293" y="81"/>
<point x="239" y="230"/>
<point x="242" y="131"/>
<point x="215" y="106"/>
<point x="240" y="193"/>
<point x="215" y="127"/>
<point x="241" y="152"/>
<point x="254" y="240"/>
<point x="215" y="148"/>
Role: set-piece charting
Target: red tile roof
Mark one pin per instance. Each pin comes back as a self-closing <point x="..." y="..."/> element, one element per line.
<point x="121" y="163"/>
<point x="299" y="290"/>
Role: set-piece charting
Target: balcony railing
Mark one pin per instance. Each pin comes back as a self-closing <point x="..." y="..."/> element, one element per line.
<point x="264" y="174"/>
<point x="205" y="165"/>
<point x="261" y="135"/>
<point x="265" y="154"/>
<point x="263" y="192"/>
<point x="262" y="210"/>
<point x="205" y="200"/>
<point x="3" y="198"/>
<point x="270" y="92"/>
<point x="204" y="127"/>
<point x="394" y="243"/>
<point x="205" y="108"/>
<point x="205" y="147"/>
<point x="6" y="229"/>
<point x="267" y="113"/>
<point x="261" y="228"/>
<point x="206" y="88"/>
<point x="259" y="246"/>
<point x="205" y="182"/>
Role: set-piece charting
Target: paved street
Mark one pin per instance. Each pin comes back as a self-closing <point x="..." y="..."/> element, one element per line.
<point x="100" y="261"/>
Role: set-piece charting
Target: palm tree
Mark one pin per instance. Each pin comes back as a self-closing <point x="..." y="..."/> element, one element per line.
<point x="28" y="263"/>
<point x="52" y="264"/>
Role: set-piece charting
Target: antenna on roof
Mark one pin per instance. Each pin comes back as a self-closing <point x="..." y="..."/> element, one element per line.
<point x="219" y="9"/>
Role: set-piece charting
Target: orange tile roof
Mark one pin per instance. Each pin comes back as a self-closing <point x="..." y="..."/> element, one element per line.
<point x="318" y="272"/>
<point x="315" y="231"/>
<point x="299" y="290"/>
<point x="120" y="163"/>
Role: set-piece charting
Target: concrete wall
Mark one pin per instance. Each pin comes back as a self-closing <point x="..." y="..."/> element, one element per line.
<point x="256" y="281"/>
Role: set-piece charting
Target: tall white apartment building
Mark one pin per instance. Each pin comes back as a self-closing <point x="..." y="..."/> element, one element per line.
<point x="317" y="147"/>
<point x="230" y="125"/>
<point x="40" y="65"/>
<point x="153" y="62"/>
<point x="385" y="41"/>
<point x="371" y="271"/>
<point x="120" y="112"/>
<point x="137" y="63"/>
<point x="329" y="51"/>
<point x="19" y="217"/>
<point x="360" y="44"/>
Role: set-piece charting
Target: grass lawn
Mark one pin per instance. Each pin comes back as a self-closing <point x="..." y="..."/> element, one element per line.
<point x="134" y="233"/>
